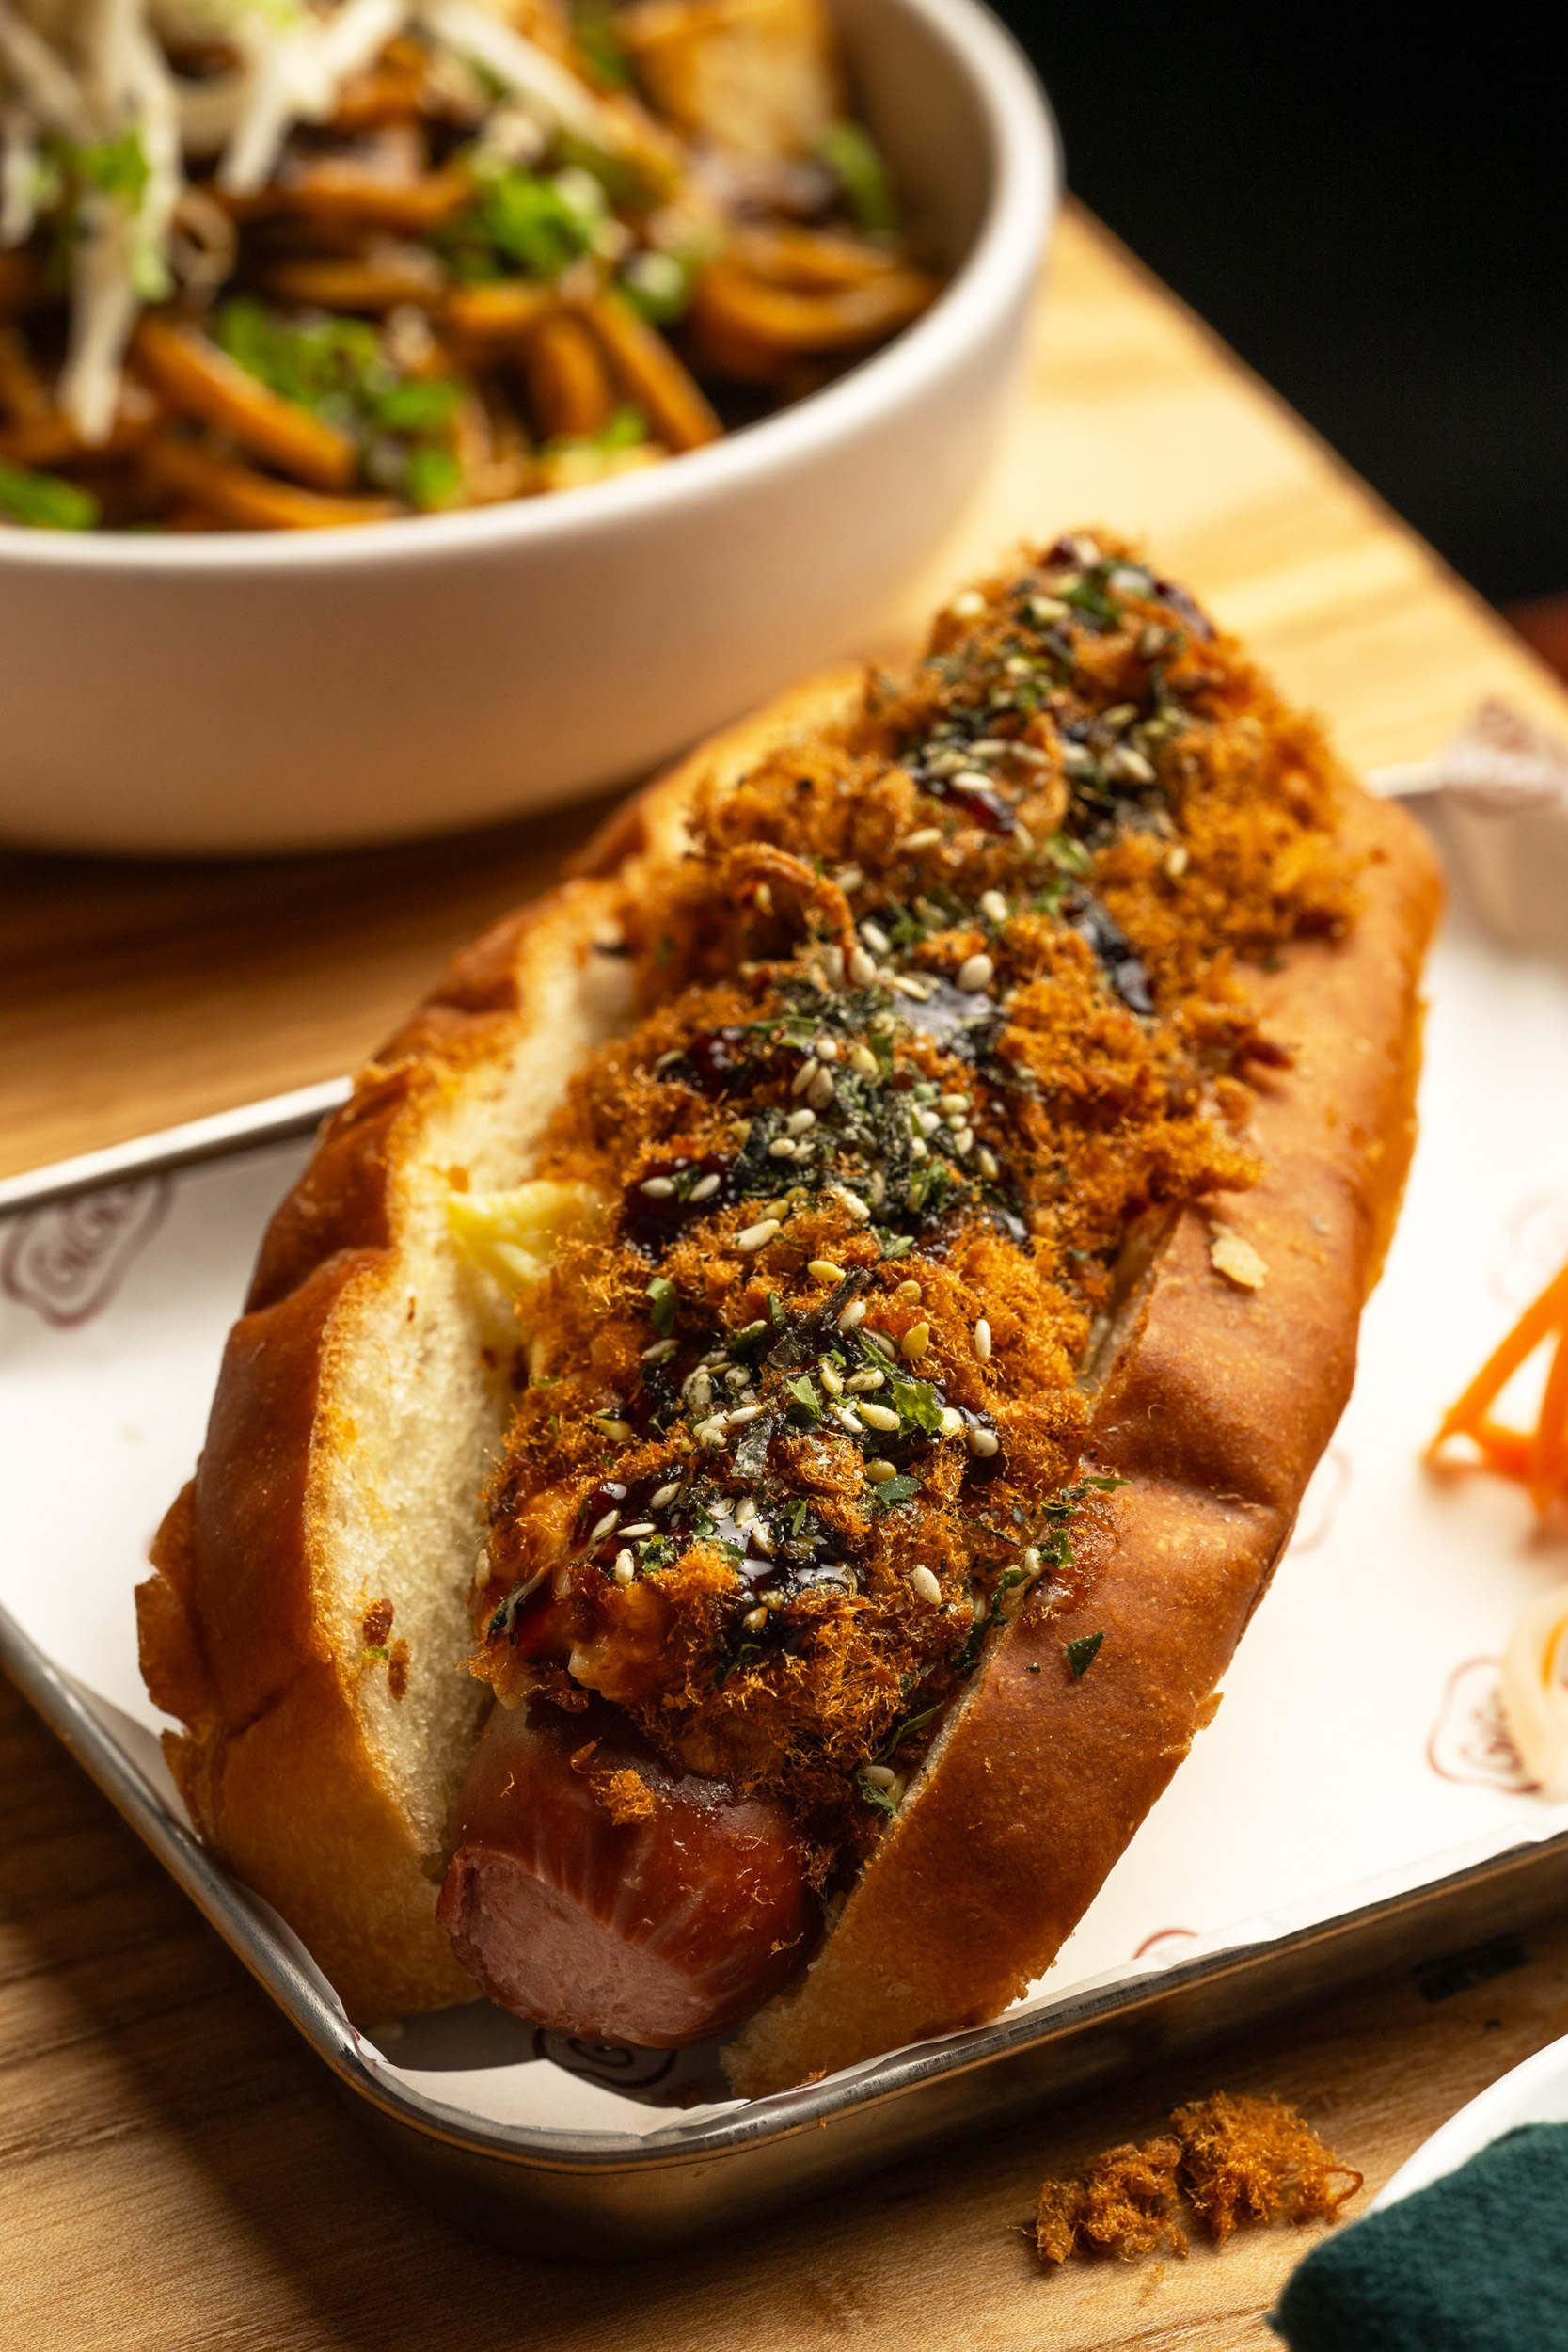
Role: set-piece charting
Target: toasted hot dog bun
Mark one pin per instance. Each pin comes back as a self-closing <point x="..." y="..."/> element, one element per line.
<point x="357" y="1419"/>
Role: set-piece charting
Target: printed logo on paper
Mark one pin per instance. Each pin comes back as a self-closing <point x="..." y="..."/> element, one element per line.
<point x="1534" y="1245"/>
<point x="1320" y="1505"/>
<point x="1470" y="1741"/>
<point x="66" y="1261"/>
<point x="1161" y="1938"/>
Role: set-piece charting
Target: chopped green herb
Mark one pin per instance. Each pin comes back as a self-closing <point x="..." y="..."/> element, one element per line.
<point x="745" y="1656"/>
<point x="900" y="1732"/>
<point x="851" y="155"/>
<point x="594" y="31"/>
<point x="661" y="1296"/>
<point x="806" y="1400"/>
<point x="518" y="224"/>
<point x="433" y="477"/>
<point x="1089" y="596"/>
<point x="917" y="1406"/>
<point x="893" y="1491"/>
<point x="376" y="1657"/>
<point x="42" y="501"/>
<point x="1081" y="1653"/>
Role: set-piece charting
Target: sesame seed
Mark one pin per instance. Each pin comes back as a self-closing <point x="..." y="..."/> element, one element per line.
<point x="994" y="906"/>
<point x="951" y="1420"/>
<point x="880" y="1775"/>
<point x="741" y="1414"/>
<point x="1030" y="1562"/>
<point x="667" y="1061"/>
<point x="641" y="1526"/>
<point x="987" y="1163"/>
<point x="877" y="1188"/>
<point x="1125" y="761"/>
<point x="657" y="1187"/>
<point x="820" y="1091"/>
<point x="963" y="1143"/>
<point x="849" y="878"/>
<point x="972" y="780"/>
<point x="923" y="1586"/>
<point x="625" y="1567"/>
<point x="745" y="1511"/>
<point x="851" y="1421"/>
<point x="880" y="1472"/>
<point x="824" y="1270"/>
<point x="754" y="1620"/>
<point x="859" y="1383"/>
<point x="606" y="1526"/>
<point x="757" y="1236"/>
<point x="697" y="1389"/>
<point x="982" y="1341"/>
<point x="864" y="1060"/>
<point x="1017" y="665"/>
<point x="704" y="1189"/>
<point x="1044" y="609"/>
<point x="854" y="1313"/>
<point x="852" y="1202"/>
<point x="711" y="1432"/>
<point x="826" y="1049"/>
<point x="828" y="1375"/>
<point x="833" y="958"/>
<point x="861" y="969"/>
<point x="878" y="1417"/>
<point x="1083" y="549"/>
<point x="923" y="837"/>
<point x="665" y="1496"/>
<point x="801" y="1123"/>
<point x="782" y="1147"/>
<point x="1120" y="714"/>
<point x="911" y="1290"/>
<point x="481" y="1569"/>
<point x="908" y="987"/>
<point x="928" y="1122"/>
<point x="915" y="1342"/>
<point x="984" y="1442"/>
<point x="764" y="898"/>
<point x="917" y="1148"/>
<point x="803" y="1077"/>
<point x="659" y="1350"/>
<point x="1176" y="860"/>
<point x="762" y="1536"/>
<point x="974" y="974"/>
<point x="875" y="938"/>
<point x="967" y="605"/>
<point x="953" y="1105"/>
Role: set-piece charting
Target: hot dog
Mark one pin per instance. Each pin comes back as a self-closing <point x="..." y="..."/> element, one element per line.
<point x="829" y="1318"/>
<point x="597" y="1892"/>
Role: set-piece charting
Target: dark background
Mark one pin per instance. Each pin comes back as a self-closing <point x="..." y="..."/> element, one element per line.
<point x="1371" y="207"/>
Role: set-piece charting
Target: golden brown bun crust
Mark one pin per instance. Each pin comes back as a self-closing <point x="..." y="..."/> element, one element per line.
<point x="1215" y="1416"/>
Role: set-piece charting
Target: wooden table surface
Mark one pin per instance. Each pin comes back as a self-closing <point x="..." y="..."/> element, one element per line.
<point x="174" y="2170"/>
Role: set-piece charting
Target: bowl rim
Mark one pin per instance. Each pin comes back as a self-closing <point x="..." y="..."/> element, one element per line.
<point x="1025" y="150"/>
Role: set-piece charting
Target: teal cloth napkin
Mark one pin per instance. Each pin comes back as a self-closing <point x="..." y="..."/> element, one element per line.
<point x="1476" y="2262"/>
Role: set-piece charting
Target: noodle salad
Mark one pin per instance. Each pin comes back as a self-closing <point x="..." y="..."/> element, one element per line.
<point x="269" y="265"/>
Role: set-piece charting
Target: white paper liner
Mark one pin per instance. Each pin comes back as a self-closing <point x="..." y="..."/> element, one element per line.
<point x="1358" y="1753"/>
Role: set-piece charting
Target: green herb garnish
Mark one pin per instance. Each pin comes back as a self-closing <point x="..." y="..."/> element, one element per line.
<point x="851" y="155"/>
<point x="661" y="1296"/>
<point x="881" y="1798"/>
<point x="917" y="1406"/>
<point x="804" y="1398"/>
<point x="893" y="1491"/>
<point x="1081" y="1653"/>
<point x="42" y="501"/>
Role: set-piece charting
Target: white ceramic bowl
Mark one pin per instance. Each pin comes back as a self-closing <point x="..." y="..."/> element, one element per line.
<point x="242" y="692"/>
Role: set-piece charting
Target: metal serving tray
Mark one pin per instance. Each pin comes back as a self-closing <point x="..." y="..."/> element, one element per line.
<point x="628" y="2176"/>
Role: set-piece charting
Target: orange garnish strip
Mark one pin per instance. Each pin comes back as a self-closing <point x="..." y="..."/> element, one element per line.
<point x="1539" y="1458"/>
